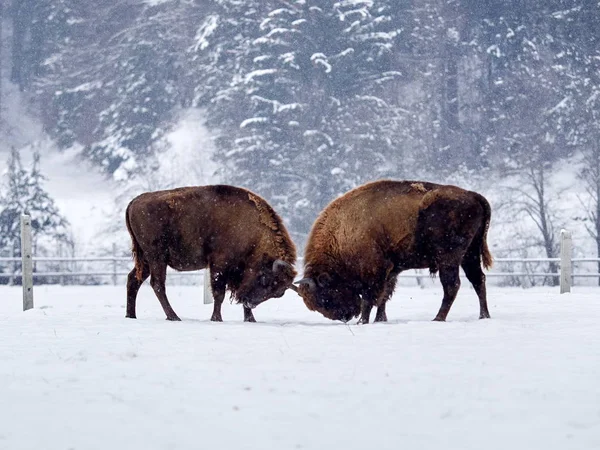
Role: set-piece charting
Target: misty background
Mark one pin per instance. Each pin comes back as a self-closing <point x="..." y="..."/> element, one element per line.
<point x="299" y="101"/>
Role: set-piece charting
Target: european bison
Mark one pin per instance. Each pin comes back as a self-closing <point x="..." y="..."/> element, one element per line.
<point x="361" y="242"/>
<point x="230" y="230"/>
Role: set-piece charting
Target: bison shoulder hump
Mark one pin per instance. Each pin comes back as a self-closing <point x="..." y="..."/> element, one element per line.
<point x="265" y="215"/>
<point x="418" y="187"/>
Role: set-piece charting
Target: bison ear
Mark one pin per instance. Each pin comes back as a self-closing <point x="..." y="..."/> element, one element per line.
<point x="280" y="266"/>
<point x="309" y="282"/>
<point x="324" y="279"/>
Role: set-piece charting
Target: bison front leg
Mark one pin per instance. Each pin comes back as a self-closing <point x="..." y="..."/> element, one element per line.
<point x="388" y="290"/>
<point x="218" y="286"/>
<point x="450" y="279"/>
<point x="248" y="316"/>
<point x="366" y="305"/>
<point x="381" y="316"/>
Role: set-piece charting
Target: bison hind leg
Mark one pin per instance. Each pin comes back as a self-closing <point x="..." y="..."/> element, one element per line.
<point x="133" y="286"/>
<point x="248" y="316"/>
<point x="449" y="277"/>
<point x="472" y="267"/>
<point x="158" y="277"/>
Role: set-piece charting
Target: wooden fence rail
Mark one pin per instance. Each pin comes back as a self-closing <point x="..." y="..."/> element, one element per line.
<point x="119" y="266"/>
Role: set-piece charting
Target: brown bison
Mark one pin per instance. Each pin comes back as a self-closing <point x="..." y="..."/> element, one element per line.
<point x="361" y="242"/>
<point x="230" y="230"/>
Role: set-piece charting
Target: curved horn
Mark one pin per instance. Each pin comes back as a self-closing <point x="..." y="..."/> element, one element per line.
<point x="308" y="281"/>
<point x="280" y="264"/>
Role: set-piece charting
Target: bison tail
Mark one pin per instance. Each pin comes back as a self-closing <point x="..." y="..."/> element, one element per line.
<point x="136" y="250"/>
<point x="486" y="256"/>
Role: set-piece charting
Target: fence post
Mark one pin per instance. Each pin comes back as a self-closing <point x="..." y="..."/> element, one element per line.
<point x="13" y="269"/>
<point x="208" y="297"/>
<point x="566" y="253"/>
<point x="114" y="264"/>
<point x="27" y="262"/>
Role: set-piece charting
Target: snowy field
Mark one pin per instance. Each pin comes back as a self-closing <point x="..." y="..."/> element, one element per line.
<point x="75" y="374"/>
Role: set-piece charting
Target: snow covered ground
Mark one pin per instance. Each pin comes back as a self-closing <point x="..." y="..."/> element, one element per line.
<point x="75" y="374"/>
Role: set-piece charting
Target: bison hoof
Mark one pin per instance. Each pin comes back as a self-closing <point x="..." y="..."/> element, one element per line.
<point x="130" y="316"/>
<point x="484" y="316"/>
<point x="174" y="319"/>
<point x="439" y="319"/>
<point x="250" y="319"/>
<point x="216" y="319"/>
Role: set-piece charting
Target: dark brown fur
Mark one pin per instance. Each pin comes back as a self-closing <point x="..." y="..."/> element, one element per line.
<point x="230" y="230"/>
<point x="361" y="242"/>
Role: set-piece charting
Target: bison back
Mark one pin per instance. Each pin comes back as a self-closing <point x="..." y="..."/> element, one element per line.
<point x="368" y="226"/>
<point x="184" y="226"/>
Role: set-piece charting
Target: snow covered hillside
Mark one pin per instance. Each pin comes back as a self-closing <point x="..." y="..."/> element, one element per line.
<point x="90" y="201"/>
<point x="76" y="374"/>
<point x="82" y="194"/>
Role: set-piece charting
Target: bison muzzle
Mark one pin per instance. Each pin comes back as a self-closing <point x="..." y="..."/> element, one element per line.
<point x="361" y="242"/>
<point x="232" y="231"/>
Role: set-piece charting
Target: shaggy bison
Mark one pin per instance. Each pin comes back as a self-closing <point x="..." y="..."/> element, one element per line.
<point x="361" y="242"/>
<point x="230" y="230"/>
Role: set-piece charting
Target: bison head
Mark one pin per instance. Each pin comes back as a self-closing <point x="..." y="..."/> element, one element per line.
<point x="269" y="280"/>
<point x="329" y="295"/>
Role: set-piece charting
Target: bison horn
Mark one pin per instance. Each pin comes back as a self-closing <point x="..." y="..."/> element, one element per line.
<point x="279" y="265"/>
<point x="309" y="281"/>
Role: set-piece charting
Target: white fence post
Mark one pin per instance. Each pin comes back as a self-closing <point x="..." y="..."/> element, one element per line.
<point x="27" y="262"/>
<point x="208" y="297"/>
<point x="11" y="254"/>
<point x="566" y="252"/>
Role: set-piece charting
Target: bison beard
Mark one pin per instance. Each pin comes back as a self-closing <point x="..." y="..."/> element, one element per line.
<point x="361" y="242"/>
<point x="230" y="230"/>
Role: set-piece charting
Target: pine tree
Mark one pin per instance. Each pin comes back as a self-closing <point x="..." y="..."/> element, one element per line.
<point x="22" y="19"/>
<point x="219" y="54"/>
<point x="527" y="116"/>
<point x="13" y="203"/>
<point x="144" y="91"/>
<point x="62" y="30"/>
<point x="433" y="47"/>
<point x="526" y="109"/>
<point x="582" y="61"/>
<point x="46" y="219"/>
<point x="24" y="194"/>
<point x="113" y="76"/>
<point x="312" y="99"/>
